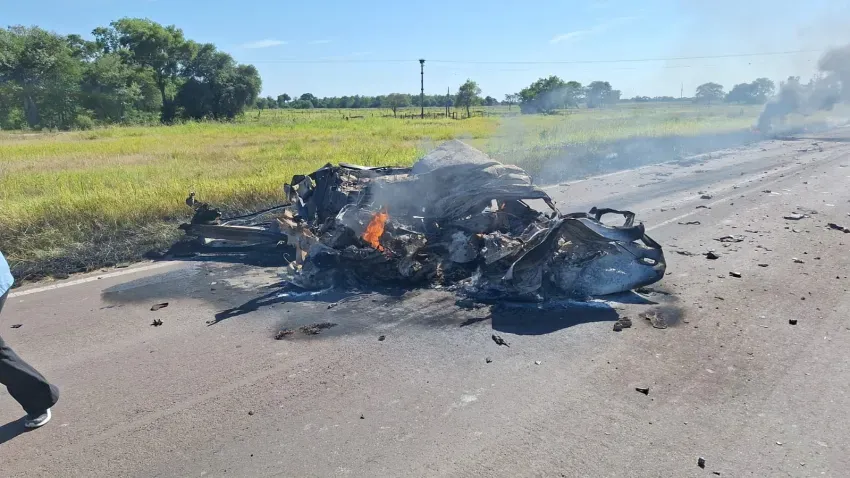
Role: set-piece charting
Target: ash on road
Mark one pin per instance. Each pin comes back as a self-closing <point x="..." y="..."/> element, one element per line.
<point x="210" y="392"/>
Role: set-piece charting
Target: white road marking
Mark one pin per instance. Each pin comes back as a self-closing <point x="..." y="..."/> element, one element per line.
<point x="62" y="285"/>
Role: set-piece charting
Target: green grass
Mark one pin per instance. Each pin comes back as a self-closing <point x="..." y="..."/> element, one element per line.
<point x="78" y="200"/>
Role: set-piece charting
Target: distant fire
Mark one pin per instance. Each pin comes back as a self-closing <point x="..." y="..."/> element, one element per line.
<point x="375" y="229"/>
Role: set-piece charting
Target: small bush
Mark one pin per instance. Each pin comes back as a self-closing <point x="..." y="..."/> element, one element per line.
<point x="83" y="122"/>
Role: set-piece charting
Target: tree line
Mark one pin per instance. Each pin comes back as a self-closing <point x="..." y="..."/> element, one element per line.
<point x="756" y="92"/>
<point x="390" y="101"/>
<point x="543" y="96"/>
<point x="134" y="71"/>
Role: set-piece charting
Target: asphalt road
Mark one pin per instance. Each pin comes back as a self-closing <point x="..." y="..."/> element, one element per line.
<point x="211" y="393"/>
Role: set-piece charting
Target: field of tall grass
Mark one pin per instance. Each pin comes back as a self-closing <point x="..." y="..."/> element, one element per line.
<point x="74" y="201"/>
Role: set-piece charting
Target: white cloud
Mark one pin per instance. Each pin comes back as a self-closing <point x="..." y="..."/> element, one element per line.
<point x="267" y="43"/>
<point x="595" y="30"/>
<point x="320" y="42"/>
<point x="568" y="36"/>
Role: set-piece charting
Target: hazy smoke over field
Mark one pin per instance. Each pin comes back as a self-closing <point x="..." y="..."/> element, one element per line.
<point x="821" y="93"/>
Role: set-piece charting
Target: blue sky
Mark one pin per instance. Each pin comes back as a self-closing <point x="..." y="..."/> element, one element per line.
<point x="372" y="47"/>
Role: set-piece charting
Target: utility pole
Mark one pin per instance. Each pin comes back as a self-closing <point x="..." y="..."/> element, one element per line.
<point x="447" y="102"/>
<point x="422" y="91"/>
<point x="682" y="91"/>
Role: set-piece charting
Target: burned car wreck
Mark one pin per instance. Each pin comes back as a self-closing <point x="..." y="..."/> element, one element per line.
<point x="457" y="218"/>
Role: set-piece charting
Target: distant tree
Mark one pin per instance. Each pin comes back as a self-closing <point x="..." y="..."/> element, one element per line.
<point x="282" y="99"/>
<point x="309" y="97"/>
<point x="148" y="44"/>
<point x="763" y="88"/>
<point x="302" y="104"/>
<point x="511" y="99"/>
<point x="110" y="89"/>
<point x="490" y="101"/>
<point x="467" y="94"/>
<point x="756" y="92"/>
<point x="215" y="86"/>
<point x="394" y="101"/>
<point x="261" y="103"/>
<point x="600" y="93"/>
<point x="38" y="72"/>
<point x="708" y="92"/>
<point x="740" y="93"/>
<point x="548" y="94"/>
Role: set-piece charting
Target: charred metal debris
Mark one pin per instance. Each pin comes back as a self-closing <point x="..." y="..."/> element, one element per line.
<point x="457" y="218"/>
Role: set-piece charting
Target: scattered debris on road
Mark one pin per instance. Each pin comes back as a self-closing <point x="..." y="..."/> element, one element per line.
<point x="642" y="390"/>
<point x="712" y="255"/>
<point x="156" y="307"/>
<point x="251" y="412"/>
<point x="795" y="216"/>
<point x="500" y="341"/>
<point x="837" y="227"/>
<point x="656" y="318"/>
<point x="730" y="238"/>
<point x="622" y="323"/>
<point x="316" y="329"/>
<point x="792" y="321"/>
<point x="488" y="360"/>
<point x="156" y="322"/>
<point x="690" y="223"/>
<point x="685" y="253"/>
<point x="706" y="196"/>
<point x="537" y="362"/>
<point x="798" y="261"/>
<point x="763" y="265"/>
<point x="381" y="338"/>
<point x="17" y="326"/>
<point x="701" y="462"/>
<point x="735" y="274"/>
<point x="283" y="333"/>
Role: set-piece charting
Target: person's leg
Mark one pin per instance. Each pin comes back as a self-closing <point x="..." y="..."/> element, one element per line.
<point x="24" y="383"/>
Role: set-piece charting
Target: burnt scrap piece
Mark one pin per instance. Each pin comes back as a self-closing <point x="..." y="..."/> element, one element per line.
<point x="643" y="390"/>
<point x="622" y="323"/>
<point x="690" y="223"/>
<point x="655" y="318"/>
<point x="735" y="274"/>
<point x="701" y="462"/>
<point x="283" y="333"/>
<point x="456" y="218"/>
<point x="499" y="340"/>
<point x="316" y="329"/>
<point x="712" y="255"/>
<point x="204" y="213"/>
<point x="156" y="322"/>
<point x="730" y="238"/>
<point x="161" y="305"/>
<point x="837" y="227"/>
<point x="17" y="326"/>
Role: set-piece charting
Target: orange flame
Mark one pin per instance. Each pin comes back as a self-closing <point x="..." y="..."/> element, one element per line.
<point x="375" y="229"/>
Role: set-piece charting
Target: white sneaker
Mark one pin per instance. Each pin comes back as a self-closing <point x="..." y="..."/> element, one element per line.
<point x="36" y="421"/>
